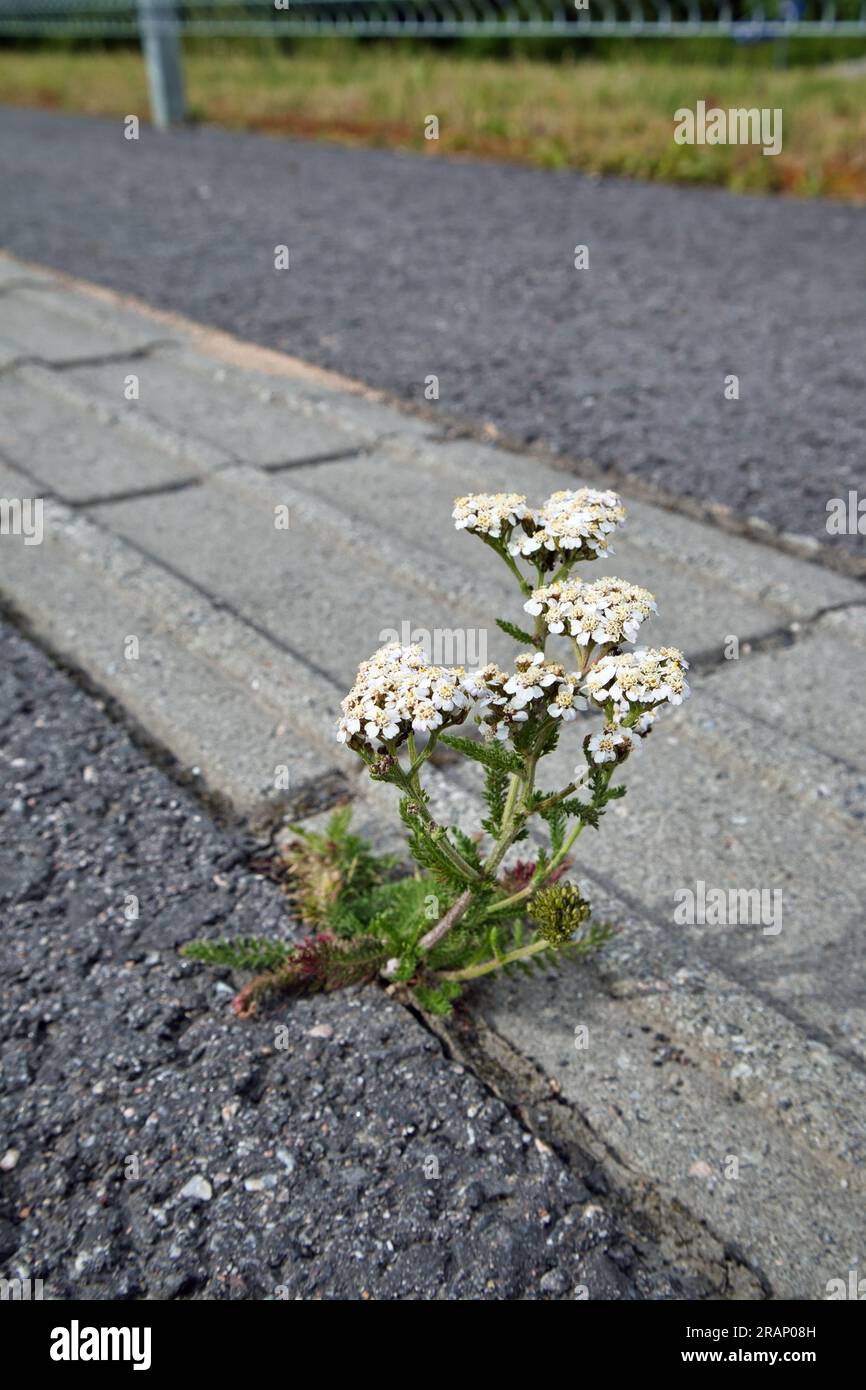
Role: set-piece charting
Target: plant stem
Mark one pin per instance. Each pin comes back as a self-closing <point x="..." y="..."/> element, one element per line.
<point x="525" y="586"/>
<point x="555" y="799"/>
<point x="413" y="789"/>
<point x="534" y="887"/>
<point x="444" y="925"/>
<point x="506" y="835"/>
<point x="422" y="757"/>
<point x="508" y="816"/>
<point x="472" y="972"/>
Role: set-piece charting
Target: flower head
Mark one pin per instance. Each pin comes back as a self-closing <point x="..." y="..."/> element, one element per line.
<point x="607" y="612"/>
<point x="640" y="680"/>
<point x="612" y="745"/>
<point x="397" y="691"/>
<point x="536" y="687"/>
<point x="489" y="513"/>
<point x="570" y="526"/>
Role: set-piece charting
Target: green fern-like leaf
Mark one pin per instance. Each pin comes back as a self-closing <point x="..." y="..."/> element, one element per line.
<point x="491" y="753"/>
<point x="438" y="999"/>
<point x="246" y="953"/>
<point x="557" y="820"/>
<point x="468" y="847"/>
<point x="426" y="850"/>
<point x="511" y="629"/>
<point x="495" y="792"/>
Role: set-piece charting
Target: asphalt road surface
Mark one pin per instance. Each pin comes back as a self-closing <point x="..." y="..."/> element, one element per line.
<point x="403" y="267"/>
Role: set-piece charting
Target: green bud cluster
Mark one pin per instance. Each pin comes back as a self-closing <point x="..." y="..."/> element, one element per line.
<point x="558" y="911"/>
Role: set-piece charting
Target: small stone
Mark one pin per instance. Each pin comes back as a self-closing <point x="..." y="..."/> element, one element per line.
<point x="700" y="1169"/>
<point x="554" y="1283"/>
<point x="263" y="1182"/>
<point x="9" y="1160"/>
<point x="198" y="1189"/>
<point x="321" y="1030"/>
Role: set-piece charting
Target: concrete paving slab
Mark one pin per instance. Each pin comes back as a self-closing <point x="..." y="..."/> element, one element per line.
<point x="677" y="541"/>
<point x="55" y="326"/>
<point x="701" y="601"/>
<point x="804" y="691"/>
<point x="258" y="419"/>
<point x="80" y="447"/>
<point x="802" y="951"/>
<point x="687" y="1086"/>
<point x="777" y="753"/>
<point x="15" y="274"/>
<point x="206" y="687"/>
<point x="325" y="590"/>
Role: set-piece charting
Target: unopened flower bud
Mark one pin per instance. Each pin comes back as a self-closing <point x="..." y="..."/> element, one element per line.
<point x="558" y="911"/>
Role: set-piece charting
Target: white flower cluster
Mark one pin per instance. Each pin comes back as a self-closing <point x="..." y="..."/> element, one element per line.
<point x="489" y="513"/>
<point x="609" y="745"/>
<point x="396" y="691"/>
<point x="608" y="611"/>
<point x="639" y="681"/>
<point x="571" y="526"/>
<point x="534" y="687"/>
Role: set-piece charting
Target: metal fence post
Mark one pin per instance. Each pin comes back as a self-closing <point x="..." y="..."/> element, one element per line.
<point x="160" y="39"/>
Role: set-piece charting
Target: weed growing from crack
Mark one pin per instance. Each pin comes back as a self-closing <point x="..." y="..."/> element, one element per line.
<point x="464" y="913"/>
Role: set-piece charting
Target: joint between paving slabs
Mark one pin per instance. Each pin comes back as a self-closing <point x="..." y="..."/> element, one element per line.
<point x="103" y="359"/>
<point x="314" y="460"/>
<point x="785" y="635"/>
<point x="220" y="604"/>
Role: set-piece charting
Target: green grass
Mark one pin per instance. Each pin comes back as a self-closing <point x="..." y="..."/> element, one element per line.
<point x="605" y="117"/>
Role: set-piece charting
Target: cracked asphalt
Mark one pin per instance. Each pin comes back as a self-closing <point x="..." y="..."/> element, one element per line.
<point x="404" y="266"/>
<point x="154" y="1146"/>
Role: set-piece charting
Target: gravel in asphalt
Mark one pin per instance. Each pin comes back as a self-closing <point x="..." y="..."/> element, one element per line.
<point x="403" y="267"/>
<point x="154" y="1146"/>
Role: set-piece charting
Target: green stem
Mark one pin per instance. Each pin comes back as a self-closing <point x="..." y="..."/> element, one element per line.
<point x="506" y="903"/>
<point x="472" y="972"/>
<point x="464" y="869"/>
<point x="506" y="836"/>
<point x="555" y="799"/>
<point x="422" y="757"/>
<point x="502" y="552"/>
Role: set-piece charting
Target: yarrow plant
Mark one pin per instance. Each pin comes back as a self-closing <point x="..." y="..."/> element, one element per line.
<point x="464" y="913"/>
